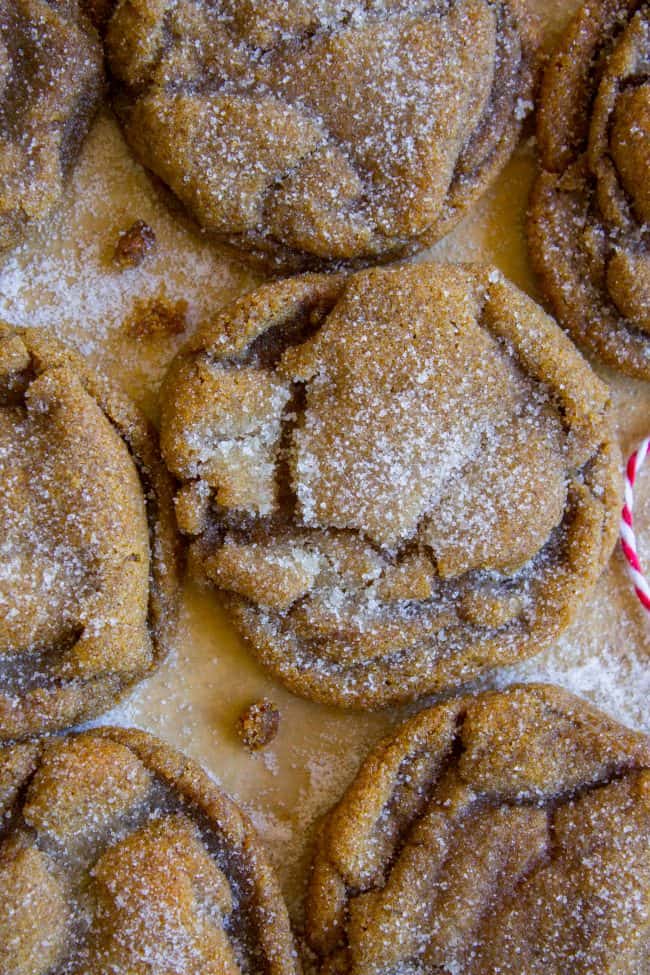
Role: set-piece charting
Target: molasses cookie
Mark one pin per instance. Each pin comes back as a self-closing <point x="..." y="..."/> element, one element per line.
<point x="51" y="82"/>
<point x="590" y="210"/>
<point x="304" y="132"/>
<point x="397" y="478"/>
<point x="120" y="855"/>
<point x="88" y="574"/>
<point x="508" y="832"/>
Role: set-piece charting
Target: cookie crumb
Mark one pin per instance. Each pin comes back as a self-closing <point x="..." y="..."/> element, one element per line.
<point x="134" y="244"/>
<point x="157" y="316"/>
<point x="258" y="724"/>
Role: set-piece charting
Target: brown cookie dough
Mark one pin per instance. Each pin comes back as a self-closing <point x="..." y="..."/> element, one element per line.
<point x="590" y="208"/>
<point x="51" y="82"/>
<point x="119" y="854"/>
<point x="508" y="832"/>
<point x="88" y="548"/>
<point x="304" y="132"/>
<point x="398" y="478"/>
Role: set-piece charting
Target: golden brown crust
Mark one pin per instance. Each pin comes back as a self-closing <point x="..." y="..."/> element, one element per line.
<point x="89" y="543"/>
<point x="305" y="133"/>
<point x="398" y="478"/>
<point x="51" y="83"/>
<point x="589" y="208"/>
<point x="511" y="825"/>
<point x="141" y="863"/>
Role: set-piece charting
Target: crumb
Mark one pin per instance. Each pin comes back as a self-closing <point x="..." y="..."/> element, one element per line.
<point x="134" y="244"/>
<point x="258" y="725"/>
<point x="157" y="316"/>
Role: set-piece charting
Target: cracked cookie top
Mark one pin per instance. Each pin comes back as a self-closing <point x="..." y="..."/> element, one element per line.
<point x="119" y="855"/>
<point x="588" y="228"/>
<point x="498" y="833"/>
<point x="51" y="82"/>
<point x="88" y="575"/>
<point x="311" y="131"/>
<point x="397" y="478"/>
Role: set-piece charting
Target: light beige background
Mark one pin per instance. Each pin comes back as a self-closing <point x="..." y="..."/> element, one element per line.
<point x="63" y="280"/>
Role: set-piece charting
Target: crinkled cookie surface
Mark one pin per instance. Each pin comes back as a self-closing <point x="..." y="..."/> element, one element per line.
<point x="119" y="856"/>
<point x="88" y="566"/>
<point x="310" y="131"/>
<point x="397" y="478"/>
<point x="51" y="82"/>
<point x="508" y="832"/>
<point x="588" y="228"/>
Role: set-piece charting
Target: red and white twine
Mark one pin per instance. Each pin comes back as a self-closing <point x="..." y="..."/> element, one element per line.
<point x="628" y="538"/>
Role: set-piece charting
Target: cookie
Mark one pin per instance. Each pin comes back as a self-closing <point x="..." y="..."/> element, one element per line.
<point x="508" y="832"/>
<point x="119" y="854"/>
<point x="51" y="83"/>
<point x="88" y="568"/>
<point x="304" y="133"/>
<point x="397" y="478"/>
<point x="590" y="208"/>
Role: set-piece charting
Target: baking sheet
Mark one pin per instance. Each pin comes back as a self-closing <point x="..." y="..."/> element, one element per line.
<point x="63" y="280"/>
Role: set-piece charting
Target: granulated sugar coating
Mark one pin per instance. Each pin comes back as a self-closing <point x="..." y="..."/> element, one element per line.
<point x="122" y="856"/>
<point x="51" y="83"/>
<point x="326" y="130"/>
<point x="88" y="549"/>
<point x="591" y="204"/>
<point x="399" y="478"/>
<point x="508" y="832"/>
<point x="64" y="280"/>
